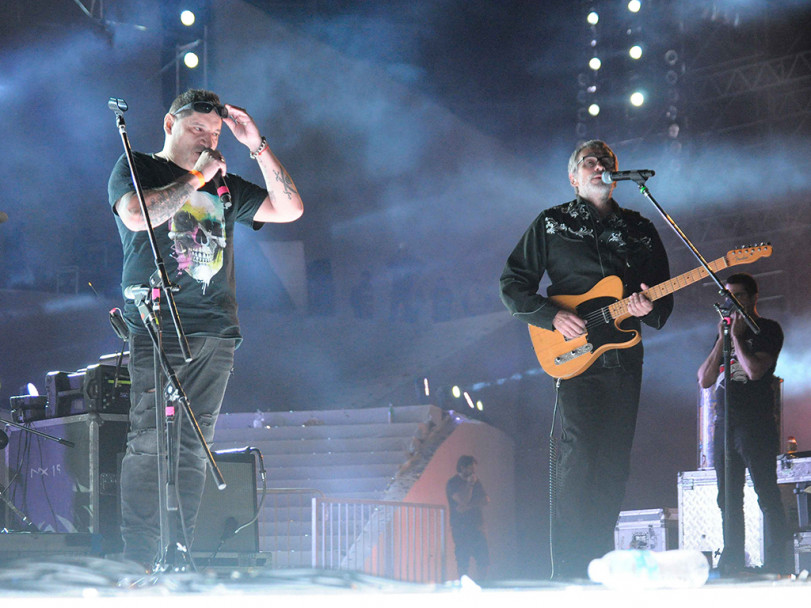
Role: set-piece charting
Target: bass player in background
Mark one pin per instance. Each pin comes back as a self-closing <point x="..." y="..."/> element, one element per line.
<point x="577" y="244"/>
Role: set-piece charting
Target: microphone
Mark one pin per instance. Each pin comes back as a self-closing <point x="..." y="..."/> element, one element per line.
<point x="222" y="189"/>
<point x="609" y="177"/>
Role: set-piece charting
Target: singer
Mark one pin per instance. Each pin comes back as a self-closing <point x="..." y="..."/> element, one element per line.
<point x="579" y="243"/>
<point x="194" y="228"/>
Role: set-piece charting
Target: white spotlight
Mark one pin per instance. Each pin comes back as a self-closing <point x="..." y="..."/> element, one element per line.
<point x="637" y="98"/>
<point x="634" y="6"/>
<point x="594" y="109"/>
<point x="635" y="51"/>
<point x="191" y="60"/>
<point x="456" y="392"/>
<point x="595" y="63"/>
<point x="593" y="18"/>
<point x="187" y="18"/>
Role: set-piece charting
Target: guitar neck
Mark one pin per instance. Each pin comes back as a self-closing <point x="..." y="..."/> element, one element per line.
<point x="620" y="308"/>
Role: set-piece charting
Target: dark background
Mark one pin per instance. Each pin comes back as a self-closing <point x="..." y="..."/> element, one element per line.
<point x="426" y="136"/>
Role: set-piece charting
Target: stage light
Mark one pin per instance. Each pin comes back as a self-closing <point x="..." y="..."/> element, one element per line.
<point x="635" y="51"/>
<point x="456" y="392"/>
<point x="594" y="109"/>
<point x="187" y="18"/>
<point x="634" y="6"/>
<point x="469" y="401"/>
<point x="191" y="60"/>
<point x="595" y="63"/>
<point x="593" y="18"/>
<point x="480" y="406"/>
<point x="592" y="88"/>
<point x="637" y="98"/>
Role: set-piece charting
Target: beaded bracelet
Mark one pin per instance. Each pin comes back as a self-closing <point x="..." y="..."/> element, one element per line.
<point x="200" y="177"/>
<point x="261" y="148"/>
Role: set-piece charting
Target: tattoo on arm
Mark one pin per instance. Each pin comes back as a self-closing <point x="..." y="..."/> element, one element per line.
<point x="289" y="190"/>
<point x="164" y="203"/>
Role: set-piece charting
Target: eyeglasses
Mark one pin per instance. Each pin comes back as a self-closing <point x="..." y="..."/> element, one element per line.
<point x="204" y="107"/>
<point x="590" y="162"/>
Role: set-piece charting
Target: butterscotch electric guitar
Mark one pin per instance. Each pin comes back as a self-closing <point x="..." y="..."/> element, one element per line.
<point x="603" y="311"/>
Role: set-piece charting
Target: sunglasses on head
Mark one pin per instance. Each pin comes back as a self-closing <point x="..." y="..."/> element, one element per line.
<point x="204" y="107"/>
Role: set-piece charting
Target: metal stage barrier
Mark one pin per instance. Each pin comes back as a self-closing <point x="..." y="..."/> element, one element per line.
<point x="395" y="540"/>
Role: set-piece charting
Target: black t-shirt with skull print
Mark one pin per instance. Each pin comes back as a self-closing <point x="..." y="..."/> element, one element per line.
<point x="197" y="246"/>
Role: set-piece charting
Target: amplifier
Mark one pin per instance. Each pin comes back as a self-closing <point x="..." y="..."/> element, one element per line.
<point x="98" y="388"/>
<point x="223" y="511"/>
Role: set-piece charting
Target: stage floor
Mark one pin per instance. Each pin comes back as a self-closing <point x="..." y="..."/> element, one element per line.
<point x="96" y="581"/>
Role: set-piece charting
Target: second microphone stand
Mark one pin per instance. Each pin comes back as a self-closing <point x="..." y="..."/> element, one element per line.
<point x="727" y="346"/>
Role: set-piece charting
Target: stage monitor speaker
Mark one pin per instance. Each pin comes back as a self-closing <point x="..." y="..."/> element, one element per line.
<point x="223" y="511"/>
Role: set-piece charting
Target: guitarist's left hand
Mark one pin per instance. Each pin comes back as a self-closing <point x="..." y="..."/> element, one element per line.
<point x="638" y="304"/>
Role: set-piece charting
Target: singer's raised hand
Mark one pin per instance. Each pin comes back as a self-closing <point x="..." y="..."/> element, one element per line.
<point x="243" y="127"/>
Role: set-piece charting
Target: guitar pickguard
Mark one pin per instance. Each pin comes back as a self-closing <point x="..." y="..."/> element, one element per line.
<point x="601" y="329"/>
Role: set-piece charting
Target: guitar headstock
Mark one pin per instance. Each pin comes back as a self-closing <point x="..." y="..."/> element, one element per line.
<point x="748" y="254"/>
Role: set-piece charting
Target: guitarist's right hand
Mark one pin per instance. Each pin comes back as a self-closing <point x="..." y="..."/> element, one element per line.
<point x="569" y="324"/>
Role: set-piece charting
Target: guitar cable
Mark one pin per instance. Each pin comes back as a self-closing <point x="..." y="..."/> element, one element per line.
<point x="553" y="480"/>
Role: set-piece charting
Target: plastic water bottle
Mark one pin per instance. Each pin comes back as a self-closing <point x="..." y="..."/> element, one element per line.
<point x="644" y="569"/>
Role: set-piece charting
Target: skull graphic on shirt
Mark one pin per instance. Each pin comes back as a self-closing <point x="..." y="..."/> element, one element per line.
<point x="198" y="232"/>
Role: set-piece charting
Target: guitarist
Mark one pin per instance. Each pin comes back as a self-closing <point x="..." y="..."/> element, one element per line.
<point x="577" y="244"/>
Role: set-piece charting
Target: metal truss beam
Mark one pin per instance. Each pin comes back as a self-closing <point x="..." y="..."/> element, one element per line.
<point x="711" y="85"/>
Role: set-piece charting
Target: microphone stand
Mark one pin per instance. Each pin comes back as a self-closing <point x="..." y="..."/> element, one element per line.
<point x="165" y="416"/>
<point x="727" y="345"/>
<point x="64" y="442"/>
